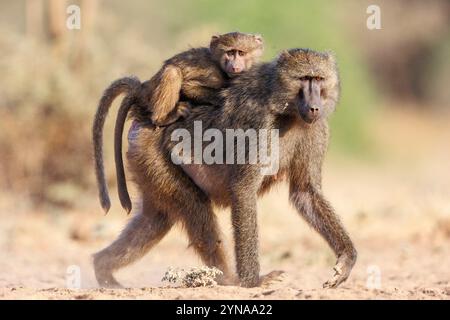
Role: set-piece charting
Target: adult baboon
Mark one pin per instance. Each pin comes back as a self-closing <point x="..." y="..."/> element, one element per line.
<point x="294" y="94"/>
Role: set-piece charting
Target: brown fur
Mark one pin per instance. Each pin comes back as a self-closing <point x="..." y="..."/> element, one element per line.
<point x="167" y="93"/>
<point x="277" y="95"/>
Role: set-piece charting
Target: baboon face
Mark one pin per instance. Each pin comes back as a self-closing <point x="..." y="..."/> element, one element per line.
<point x="236" y="52"/>
<point x="310" y="105"/>
<point x="312" y="80"/>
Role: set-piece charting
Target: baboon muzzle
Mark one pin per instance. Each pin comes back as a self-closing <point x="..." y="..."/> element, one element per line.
<point x="310" y="102"/>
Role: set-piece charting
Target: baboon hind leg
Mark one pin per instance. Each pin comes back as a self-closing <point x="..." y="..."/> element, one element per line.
<point x="204" y="236"/>
<point x="140" y="235"/>
<point x="175" y="193"/>
<point x="182" y="110"/>
<point x="166" y="94"/>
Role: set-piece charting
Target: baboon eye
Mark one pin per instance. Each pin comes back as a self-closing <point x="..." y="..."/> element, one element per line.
<point x="230" y="53"/>
<point x="241" y="53"/>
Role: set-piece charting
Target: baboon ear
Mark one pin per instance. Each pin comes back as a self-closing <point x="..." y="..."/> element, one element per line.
<point x="214" y="38"/>
<point x="284" y="56"/>
<point x="214" y="41"/>
<point x="331" y="56"/>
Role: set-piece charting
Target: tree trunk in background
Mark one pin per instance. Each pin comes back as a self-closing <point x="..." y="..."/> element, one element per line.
<point x="56" y="28"/>
<point x="88" y="16"/>
<point x="46" y="21"/>
<point x="56" y="19"/>
<point x="34" y="16"/>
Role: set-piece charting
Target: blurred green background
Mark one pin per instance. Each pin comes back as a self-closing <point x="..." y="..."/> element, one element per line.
<point x="52" y="77"/>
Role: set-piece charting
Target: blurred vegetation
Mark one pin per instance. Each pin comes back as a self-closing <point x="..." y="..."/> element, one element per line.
<point x="53" y="77"/>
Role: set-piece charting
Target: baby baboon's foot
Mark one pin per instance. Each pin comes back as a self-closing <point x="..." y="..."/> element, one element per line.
<point x="271" y="278"/>
<point x="342" y="270"/>
<point x="183" y="109"/>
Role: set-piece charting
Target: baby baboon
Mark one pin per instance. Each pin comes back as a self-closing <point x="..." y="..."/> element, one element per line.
<point x="294" y="94"/>
<point x="195" y="76"/>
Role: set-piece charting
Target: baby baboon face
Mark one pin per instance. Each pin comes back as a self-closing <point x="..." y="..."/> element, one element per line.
<point x="312" y="79"/>
<point x="236" y="52"/>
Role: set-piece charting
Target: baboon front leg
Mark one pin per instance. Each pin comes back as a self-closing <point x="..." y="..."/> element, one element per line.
<point x="139" y="236"/>
<point x="245" y="227"/>
<point x="320" y="215"/>
<point x="204" y="236"/>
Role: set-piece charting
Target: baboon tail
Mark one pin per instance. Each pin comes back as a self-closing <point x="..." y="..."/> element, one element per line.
<point x="120" y="172"/>
<point x="123" y="85"/>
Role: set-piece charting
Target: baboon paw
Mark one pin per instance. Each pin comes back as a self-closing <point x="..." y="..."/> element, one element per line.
<point x="184" y="111"/>
<point x="342" y="270"/>
<point x="114" y="285"/>
<point x="271" y="278"/>
<point x="109" y="283"/>
<point x="335" y="281"/>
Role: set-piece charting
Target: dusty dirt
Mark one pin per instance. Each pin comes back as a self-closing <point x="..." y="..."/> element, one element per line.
<point x="397" y="211"/>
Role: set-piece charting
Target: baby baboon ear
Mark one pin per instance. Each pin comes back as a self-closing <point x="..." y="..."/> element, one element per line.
<point x="258" y="38"/>
<point x="214" y="39"/>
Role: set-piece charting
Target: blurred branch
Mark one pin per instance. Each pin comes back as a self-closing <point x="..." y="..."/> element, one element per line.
<point x="89" y="14"/>
<point x="34" y="15"/>
<point x="56" y="19"/>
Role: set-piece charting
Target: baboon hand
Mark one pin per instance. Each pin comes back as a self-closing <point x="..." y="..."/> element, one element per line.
<point x="342" y="270"/>
<point x="271" y="278"/>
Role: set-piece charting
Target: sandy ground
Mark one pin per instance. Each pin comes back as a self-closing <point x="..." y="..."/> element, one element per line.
<point x="397" y="212"/>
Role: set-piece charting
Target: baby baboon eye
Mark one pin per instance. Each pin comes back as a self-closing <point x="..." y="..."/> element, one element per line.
<point x="230" y="53"/>
<point x="304" y="78"/>
<point x="241" y="53"/>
